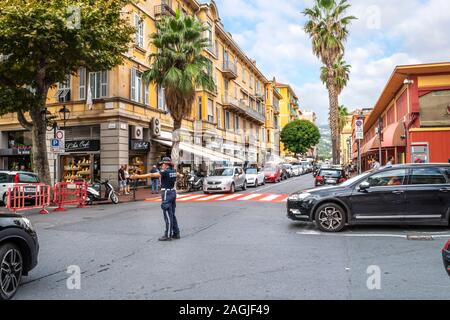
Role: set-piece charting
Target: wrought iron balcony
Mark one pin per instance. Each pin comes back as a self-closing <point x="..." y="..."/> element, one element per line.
<point x="232" y="104"/>
<point x="229" y="70"/>
<point x="252" y="114"/>
<point x="164" y="9"/>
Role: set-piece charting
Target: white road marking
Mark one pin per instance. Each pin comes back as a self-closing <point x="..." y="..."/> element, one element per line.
<point x="249" y="197"/>
<point x="271" y="197"/>
<point x="209" y="198"/>
<point x="192" y="197"/>
<point x="233" y="196"/>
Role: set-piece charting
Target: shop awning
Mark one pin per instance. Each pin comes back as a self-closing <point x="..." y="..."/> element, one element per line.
<point x="392" y="135"/>
<point x="201" y="151"/>
<point x="372" y="144"/>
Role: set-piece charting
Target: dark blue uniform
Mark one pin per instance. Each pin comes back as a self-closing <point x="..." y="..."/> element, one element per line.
<point x="169" y="198"/>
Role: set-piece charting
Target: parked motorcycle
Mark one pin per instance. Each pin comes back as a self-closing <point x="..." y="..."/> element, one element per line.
<point x="94" y="192"/>
<point x="195" y="182"/>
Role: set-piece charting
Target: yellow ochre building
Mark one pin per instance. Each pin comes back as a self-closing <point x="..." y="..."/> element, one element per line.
<point x="113" y="119"/>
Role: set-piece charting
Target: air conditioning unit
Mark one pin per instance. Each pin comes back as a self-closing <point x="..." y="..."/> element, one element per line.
<point x="156" y="127"/>
<point x="137" y="133"/>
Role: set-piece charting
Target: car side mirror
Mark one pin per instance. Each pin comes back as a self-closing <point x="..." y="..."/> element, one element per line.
<point x="364" y="186"/>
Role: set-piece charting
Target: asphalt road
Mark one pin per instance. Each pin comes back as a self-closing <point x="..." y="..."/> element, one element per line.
<point x="230" y="250"/>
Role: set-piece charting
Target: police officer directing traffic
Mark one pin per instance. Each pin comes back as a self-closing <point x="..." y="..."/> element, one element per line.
<point x="168" y="177"/>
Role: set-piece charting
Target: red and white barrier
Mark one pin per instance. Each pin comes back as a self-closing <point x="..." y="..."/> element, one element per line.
<point x="27" y="197"/>
<point x="70" y="193"/>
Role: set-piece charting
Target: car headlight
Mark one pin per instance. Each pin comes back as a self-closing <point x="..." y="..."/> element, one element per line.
<point x="27" y="224"/>
<point x="299" y="197"/>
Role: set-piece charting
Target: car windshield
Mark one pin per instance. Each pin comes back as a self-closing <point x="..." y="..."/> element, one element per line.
<point x="251" y="171"/>
<point x="356" y="178"/>
<point x="331" y="173"/>
<point x="226" y="172"/>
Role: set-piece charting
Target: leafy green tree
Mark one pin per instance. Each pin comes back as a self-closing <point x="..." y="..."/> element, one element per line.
<point x="41" y="42"/>
<point x="327" y="27"/>
<point x="343" y="114"/>
<point x="300" y="136"/>
<point x="179" y="66"/>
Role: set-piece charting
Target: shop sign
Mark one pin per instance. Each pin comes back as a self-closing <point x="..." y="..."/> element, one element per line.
<point x="23" y="150"/>
<point x="139" y="145"/>
<point x="82" y="145"/>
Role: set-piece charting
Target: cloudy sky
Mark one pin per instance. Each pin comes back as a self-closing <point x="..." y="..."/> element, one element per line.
<point x="386" y="34"/>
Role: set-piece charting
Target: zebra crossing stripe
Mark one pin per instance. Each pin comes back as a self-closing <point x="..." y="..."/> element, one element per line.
<point x="233" y="196"/>
<point x="271" y="197"/>
<point x="209" y="198"/>
<point x="284" y="199"/>
<point x="192" y="197"/>
<point x="250" y="197"/>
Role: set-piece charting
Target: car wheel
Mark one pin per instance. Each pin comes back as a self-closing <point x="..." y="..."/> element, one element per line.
<point x="256" y="183"/>
<point x="4" y="199"/>
<point x="330" y="217"/>
<point x="244" y="186"/>
<point x="205" y="192"/>
<point x="11" y="270"/>
<point x="232" y="188"/>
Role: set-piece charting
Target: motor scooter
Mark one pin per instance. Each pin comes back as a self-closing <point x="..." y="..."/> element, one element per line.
<point x="94" y="192"/>
<point x="195" y="182"/>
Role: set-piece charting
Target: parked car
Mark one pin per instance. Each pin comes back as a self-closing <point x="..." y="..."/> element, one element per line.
<point x="330" y="176"/>
<point x="399" y="194"/>
<point x="272" y="173"/>
<point x="225" y="180"/>
<point x="10" y="178"/>
<point x="255" y="177"/>
<point x="297" y="170"/>
<point x="288" y="168"/>
<point x="446" y="256"/>
<point x="19" y="248"/>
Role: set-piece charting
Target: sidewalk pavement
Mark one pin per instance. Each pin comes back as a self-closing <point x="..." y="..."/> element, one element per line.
<point x="142" y="194"/>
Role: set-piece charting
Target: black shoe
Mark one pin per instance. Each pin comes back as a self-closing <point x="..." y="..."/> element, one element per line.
<point x="164" y="238"/>
<point x="176" y="237"/>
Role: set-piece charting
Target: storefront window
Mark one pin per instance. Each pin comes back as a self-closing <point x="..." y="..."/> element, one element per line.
<point x="77" y="168"/>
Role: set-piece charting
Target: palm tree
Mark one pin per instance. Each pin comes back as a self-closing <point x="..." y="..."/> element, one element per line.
<point x="341" y="74"/>
<point x="179" y="67"/>
<point x="343" y="115"/>
<point x="328" y="29"/>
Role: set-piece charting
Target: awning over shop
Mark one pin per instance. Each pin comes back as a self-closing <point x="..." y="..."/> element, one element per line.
<point x="201" y="151"/>
<point x="392" y="135"/>
<point x="373" y="144"/>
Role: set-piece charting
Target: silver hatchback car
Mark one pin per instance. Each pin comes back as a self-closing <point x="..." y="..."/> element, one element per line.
<point x="225" y="180"/>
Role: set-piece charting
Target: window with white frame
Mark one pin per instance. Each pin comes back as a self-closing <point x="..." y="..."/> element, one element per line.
<point x="137" y="90"/>
<point x="63" y="92"/>
<point x="82" y="84"/>
<point x="237" y="125"/>
<point x="161" y="99"/>
<point x="98" y="83"/>
<point x="139" y="24"/>
<point x="210" y="110"/>
<point x="227" y="120"/>
<point x="219" y="118"/>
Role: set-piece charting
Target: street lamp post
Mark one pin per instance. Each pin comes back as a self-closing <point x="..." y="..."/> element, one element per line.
<point x="361" y="117"/>
<point x="64" y="114"/>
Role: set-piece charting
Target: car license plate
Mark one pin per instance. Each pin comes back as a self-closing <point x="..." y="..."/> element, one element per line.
<point x="331" y="181"/>
<point x="29" y="189"/>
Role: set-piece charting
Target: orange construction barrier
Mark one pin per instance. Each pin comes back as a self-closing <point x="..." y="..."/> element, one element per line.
<point x="28" y="196"/>
<point x="70" y="193"/>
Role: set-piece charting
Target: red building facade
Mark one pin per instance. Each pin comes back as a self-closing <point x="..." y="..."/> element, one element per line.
<point x="413" y="113"/>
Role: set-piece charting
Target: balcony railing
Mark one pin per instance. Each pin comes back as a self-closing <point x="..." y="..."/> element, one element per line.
<point x="212" y="48"/>
<point x="276" y="106"/>
<point x="252" y="114"/>
<point x="229" y="70"/>
<point x="233" y="104"/>
<point x="164" y="9"/>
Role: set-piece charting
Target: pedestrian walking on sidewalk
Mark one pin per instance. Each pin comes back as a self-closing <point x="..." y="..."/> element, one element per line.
<point x="155" y="181"/>
<point x="122" y="180"/>
<point x="168" y="177"/>
<point x="127" y="179"/>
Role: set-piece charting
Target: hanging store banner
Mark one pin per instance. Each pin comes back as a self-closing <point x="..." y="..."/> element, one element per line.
<point x="82" y="146"/>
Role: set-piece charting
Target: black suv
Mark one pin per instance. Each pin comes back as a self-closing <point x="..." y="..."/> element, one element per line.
<point x="19" y="250"/>
<point x="399" y="194"/>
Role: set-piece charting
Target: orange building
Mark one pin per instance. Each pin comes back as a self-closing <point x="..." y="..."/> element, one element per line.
<point x="413" y="113"/>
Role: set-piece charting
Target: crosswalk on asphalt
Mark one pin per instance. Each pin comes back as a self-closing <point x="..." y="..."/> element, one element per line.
<point x="255" y="197"/>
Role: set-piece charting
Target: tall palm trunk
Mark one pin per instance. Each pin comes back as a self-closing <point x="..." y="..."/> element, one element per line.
<point x="176" y="141"/>
<point x="334" y="117"/>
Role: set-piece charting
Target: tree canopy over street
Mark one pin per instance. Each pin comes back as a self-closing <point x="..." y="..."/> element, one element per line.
<point x="300" y="136"/>
<point x="41" y="42"/>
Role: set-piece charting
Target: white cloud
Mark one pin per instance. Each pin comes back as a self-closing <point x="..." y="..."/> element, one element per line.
<point x="386" y="34"/>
